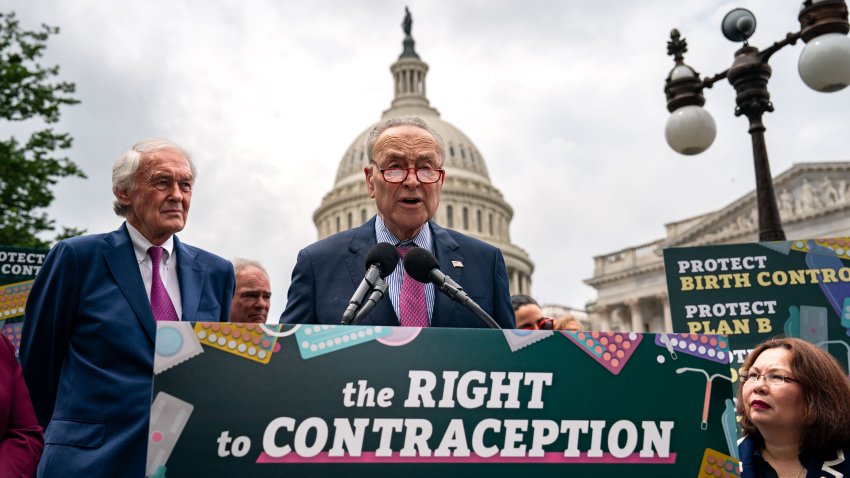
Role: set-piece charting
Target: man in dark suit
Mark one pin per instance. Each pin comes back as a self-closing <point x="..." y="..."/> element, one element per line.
<point x="405" y="179"/>
<point x="88" y="338"/>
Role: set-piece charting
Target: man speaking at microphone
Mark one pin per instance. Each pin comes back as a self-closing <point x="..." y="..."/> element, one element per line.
<point x="405" y="178"/>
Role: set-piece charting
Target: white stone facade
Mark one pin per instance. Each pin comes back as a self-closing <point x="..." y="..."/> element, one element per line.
<point x="814" y="202"/>
<point x="557" y="311"/>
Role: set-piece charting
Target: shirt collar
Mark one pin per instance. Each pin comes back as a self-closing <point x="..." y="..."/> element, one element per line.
<point x="141" y="245"/>
<point x="423" y="239"/>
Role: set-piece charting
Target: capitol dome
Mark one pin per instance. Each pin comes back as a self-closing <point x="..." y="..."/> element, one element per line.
<point x="469" y="203"/>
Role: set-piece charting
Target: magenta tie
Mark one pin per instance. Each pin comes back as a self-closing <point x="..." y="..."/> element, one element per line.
<point x="413" y="311"/>
<point x="161" y="305"/>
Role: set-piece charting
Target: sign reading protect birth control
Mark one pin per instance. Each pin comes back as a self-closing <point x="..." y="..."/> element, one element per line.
<point x="327" y="401"/>
<point x="18" y="268"/>
<point x="753" y="292"/>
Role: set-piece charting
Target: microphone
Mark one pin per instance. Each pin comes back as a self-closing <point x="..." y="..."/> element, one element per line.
<point x="376" y="295"/>
<point x="380" y="262"/>
<point x="423" y="266"/>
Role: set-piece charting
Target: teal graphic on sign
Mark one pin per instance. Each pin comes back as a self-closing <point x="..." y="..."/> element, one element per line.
<point x="308" y="400"/>
<point x="753" y="292"/>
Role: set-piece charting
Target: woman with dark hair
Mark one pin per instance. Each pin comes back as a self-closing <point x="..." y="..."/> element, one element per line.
<point x="794" y="403"/>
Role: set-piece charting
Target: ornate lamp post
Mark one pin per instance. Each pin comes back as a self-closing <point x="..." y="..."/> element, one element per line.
<point x="824" y="65"/>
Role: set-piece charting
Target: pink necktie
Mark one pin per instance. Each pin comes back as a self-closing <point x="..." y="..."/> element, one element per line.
<point x="412" y="309"/>
<point x="161" y="305"/>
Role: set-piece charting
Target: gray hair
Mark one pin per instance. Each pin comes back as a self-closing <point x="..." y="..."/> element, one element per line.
<point x="240" y="265"/>
<point x="125" y="169"/>
<point x="403" y="121"/>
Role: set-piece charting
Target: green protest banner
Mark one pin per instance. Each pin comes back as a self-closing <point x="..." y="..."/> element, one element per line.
<point x="18" y="268"/>
<point x="753" y="292"/>
<point x="327" y="401"/>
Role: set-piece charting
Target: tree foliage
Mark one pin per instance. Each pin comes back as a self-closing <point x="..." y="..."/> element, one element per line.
<point x="30" y="92"/>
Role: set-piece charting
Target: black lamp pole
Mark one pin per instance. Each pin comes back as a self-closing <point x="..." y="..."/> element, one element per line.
<point x="749" y="75"/>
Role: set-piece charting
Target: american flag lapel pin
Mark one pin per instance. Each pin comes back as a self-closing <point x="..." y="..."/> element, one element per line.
<point x="457" y="264"/>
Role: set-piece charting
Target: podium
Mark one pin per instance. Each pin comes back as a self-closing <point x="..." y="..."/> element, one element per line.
<point x="311" y="400"/>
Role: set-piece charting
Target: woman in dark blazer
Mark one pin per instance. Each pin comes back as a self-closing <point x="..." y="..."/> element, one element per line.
<point x="794" y="402"/>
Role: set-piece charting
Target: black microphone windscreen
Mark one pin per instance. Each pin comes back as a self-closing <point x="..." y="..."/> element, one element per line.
<point x="384" y="256"/>
<point x="419" y="262"/>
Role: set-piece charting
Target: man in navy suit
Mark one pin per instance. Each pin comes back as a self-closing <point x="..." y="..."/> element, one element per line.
<point x="88" y="338"/>
<point x="405" y="179"/>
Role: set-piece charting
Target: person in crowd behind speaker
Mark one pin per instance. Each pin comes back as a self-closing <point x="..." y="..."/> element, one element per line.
<point x="405" y="178"/>
<point x="90" y="323"/>
<point x="794" y="404"/>
<point x="21" y="438"/>
<point x="528" y="314"/>
<point x="568" y="323"/>
<point x="253" y="294"/>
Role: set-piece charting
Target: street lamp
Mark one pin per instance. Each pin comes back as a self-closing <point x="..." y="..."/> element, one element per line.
<point x="824" y="65"/>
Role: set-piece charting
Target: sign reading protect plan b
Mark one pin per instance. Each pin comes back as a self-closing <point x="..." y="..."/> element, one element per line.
<point x="267" y="401"/>
<point x="756" y="291"/>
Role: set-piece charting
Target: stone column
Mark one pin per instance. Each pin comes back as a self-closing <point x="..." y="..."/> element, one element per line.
<point x="637" y="315"/>
<point x="600" y="318"/>
<point x="668" y="319"/>
<point x="617" y="318"/>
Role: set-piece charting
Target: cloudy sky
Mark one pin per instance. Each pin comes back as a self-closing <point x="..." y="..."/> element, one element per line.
<point x="564" y="100"/>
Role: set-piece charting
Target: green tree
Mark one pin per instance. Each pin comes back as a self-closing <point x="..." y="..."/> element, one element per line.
<point x="30" y="92"/>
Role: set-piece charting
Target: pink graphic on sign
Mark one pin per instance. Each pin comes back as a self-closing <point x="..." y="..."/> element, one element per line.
<point x="611" y="349"/>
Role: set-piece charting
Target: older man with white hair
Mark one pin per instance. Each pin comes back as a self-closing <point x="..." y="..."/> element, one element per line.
<point x="405" y="179"/>
<point x="88" y="337"/>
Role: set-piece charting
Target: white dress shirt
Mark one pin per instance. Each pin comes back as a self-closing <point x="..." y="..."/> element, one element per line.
<point x="167" y="269"/>
<point x="424" y="240"/>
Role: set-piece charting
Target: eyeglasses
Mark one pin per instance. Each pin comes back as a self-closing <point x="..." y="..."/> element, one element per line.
<point x="770" y="377"/>
<point x="544" y="323"/>
<point x="399" y="175"/>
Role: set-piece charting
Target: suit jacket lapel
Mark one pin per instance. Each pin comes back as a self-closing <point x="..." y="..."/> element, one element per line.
<point x="446" y="250"/>
<point x="121" y="261"/>
<point x="359" y="247"/>
<point x="191" y="276"/>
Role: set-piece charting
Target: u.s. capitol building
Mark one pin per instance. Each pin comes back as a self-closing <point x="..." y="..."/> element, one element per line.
<point x="470" y="203"/>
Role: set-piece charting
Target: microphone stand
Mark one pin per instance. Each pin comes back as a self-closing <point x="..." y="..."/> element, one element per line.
<point x="456" y="293"/>
<point x="377" y="294"/>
